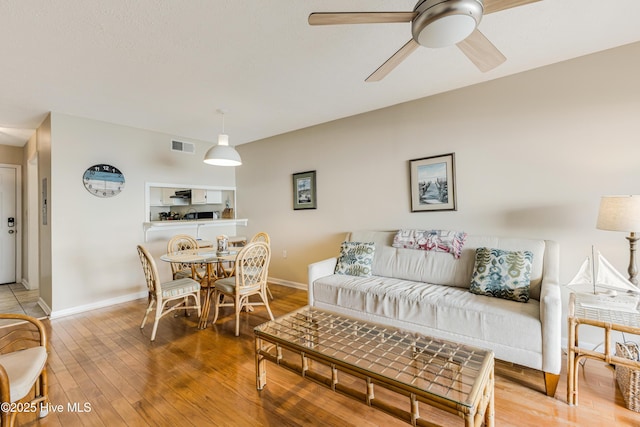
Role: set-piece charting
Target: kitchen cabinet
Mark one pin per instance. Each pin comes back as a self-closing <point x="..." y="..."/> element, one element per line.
<point x="214" y="197"/>
<point x="198" y="197"/>
<point x="155" y="196"/>
<point x="209" y="197"/>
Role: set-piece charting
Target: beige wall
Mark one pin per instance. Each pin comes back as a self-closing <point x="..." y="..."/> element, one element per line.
<point x="534" y="154"/>
<point x="43" y="141"/>
<point x="11" y="155"/>
<point x="28" y="234"/>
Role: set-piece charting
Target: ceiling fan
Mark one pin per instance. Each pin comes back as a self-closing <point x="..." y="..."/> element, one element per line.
<point x="434" y="23"/>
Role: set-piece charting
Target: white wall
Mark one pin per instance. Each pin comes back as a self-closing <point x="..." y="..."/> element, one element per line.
<point x="534" y="154"/>
<point x="94" y="258"/>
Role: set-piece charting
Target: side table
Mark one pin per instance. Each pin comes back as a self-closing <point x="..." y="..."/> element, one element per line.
<point x="607" y="319"/>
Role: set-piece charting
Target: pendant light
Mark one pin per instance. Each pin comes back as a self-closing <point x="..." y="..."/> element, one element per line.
<point x="222" y="154"/>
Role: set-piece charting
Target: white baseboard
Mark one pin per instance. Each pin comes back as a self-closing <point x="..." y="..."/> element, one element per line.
<point x="43" y="305"/>
<point x="95" y="305"/>
<point x="289" y="283"/>
<point x="130" y="297"/>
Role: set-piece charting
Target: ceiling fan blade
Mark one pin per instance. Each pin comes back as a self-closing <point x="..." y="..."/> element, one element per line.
<point x="481" y="51"/>
<point x="491" y="6"/>
<point x="393" y="62"/>
<point x="337" y="18"/>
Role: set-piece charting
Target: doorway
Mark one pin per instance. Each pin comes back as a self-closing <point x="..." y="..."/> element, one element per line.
<point x="10" y="240"/>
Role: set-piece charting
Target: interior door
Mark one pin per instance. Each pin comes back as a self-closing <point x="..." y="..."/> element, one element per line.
<point x="8" y="225"/>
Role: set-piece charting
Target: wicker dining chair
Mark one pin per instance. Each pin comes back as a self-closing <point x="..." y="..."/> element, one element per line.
<point x="182" y="242"/>
<point x="263" y="237"/>
<point x="252" y="266"/>
<point x="258" y="237"/>
<point x="23" y="370"/>
<point x="162" y="294"/>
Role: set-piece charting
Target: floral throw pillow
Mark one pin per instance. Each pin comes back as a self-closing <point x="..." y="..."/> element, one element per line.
<point x="356" y="259"/>
<point x="431" y="240"/>
<point x="502" y="274"/>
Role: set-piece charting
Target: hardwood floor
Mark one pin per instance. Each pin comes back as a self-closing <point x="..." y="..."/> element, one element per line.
<point x="101" y="364"/>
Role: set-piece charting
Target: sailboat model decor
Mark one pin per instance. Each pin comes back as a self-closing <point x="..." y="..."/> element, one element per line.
<point x="598" y="284"/>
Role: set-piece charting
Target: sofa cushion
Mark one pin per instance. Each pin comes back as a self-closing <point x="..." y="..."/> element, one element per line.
<point x="502" y="274"/>
<point x="450" y="309"/>
<point x="355" y="259"/>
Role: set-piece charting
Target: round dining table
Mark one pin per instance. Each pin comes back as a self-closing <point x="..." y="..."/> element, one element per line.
<point x="212" y="260"/>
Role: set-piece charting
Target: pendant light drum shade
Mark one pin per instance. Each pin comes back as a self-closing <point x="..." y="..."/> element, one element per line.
<point x="222" y="154"/>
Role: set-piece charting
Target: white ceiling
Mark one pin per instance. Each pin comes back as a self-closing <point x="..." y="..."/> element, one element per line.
<point x="168" y="66"/>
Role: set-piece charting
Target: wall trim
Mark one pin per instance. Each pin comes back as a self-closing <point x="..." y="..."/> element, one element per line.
<point x="289" y="283"/>
<point x="130" y="297"/>
<point x="43" y="305"/>
<point x="95" y="305"/>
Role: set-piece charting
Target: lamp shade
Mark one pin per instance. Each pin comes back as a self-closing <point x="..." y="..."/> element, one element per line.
<point x="619" y="213"/>
<point x="222" y="154"/>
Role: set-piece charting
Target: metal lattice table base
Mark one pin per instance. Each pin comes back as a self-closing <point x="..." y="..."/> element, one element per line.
<point x="453" y="377"/>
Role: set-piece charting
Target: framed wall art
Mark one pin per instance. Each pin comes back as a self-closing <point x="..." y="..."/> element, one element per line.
<point x="433" y="184"/>
<point x="304" y="190"/>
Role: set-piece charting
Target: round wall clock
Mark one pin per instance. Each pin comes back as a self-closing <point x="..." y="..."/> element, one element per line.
<point x="103" y="180"/>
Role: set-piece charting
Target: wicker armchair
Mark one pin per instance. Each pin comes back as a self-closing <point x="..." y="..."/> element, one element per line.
<point x="251" y="265"/>
<point x="162" y="294"/>
<point x="23" y="372"/>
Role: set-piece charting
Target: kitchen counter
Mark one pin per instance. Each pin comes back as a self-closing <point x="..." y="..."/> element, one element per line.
<point x="189" y="223"/>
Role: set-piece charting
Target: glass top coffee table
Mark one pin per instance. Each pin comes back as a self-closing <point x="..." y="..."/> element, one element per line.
<point x="453" y="377"/>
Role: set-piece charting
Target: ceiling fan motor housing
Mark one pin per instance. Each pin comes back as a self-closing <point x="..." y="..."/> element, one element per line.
<point x="442" y="23"/>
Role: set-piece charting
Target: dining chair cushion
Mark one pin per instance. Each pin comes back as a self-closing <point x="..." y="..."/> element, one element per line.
<point x="182" y="274"/>
<point x="187" y="273"/>
<point x="228" y="286"/>
<point x="23" y="368"/>
<point x="175" y="288"/>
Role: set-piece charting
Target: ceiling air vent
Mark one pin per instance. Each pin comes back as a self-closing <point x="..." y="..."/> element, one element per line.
<point x="183" y="147"/>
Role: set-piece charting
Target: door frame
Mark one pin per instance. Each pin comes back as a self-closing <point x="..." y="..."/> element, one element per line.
<point x="19" y="218"/>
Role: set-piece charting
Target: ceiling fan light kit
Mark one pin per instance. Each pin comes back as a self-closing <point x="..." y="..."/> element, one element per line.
<point x="442" y="23"/>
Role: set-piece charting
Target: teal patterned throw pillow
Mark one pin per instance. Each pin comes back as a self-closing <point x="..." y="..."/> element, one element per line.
<point x="502" y="274"/>
<point x="355" y="259"/>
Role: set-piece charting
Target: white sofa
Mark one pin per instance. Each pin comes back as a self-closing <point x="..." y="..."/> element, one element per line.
<point x="428" y="292"/>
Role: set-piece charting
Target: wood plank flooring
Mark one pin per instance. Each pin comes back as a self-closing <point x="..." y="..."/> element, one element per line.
<point x="103" y="371"/>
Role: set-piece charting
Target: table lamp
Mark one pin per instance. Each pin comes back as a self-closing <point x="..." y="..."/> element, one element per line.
<point x="622" y="213"/>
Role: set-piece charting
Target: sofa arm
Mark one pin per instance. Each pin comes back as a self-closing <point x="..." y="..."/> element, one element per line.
<point x="319" y="269"/>
<point x="551" y="311"/>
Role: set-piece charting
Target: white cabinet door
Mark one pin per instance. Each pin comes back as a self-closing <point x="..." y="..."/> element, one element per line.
<point x="155" y="196"/>
<point x="214" y="197"/>
<point x="198" y="197"/>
